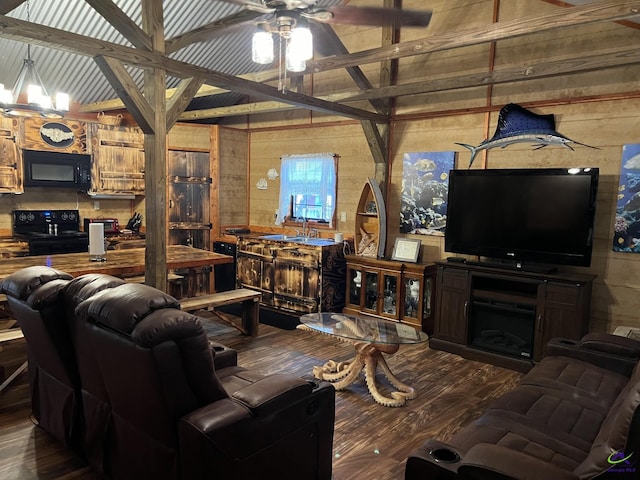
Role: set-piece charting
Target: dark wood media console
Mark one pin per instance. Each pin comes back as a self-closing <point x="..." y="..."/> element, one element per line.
<point x="506" y="317"/>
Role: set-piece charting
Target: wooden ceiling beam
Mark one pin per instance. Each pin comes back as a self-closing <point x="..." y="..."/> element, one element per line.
<point x="121" y="22"/>
<point x="128" y="91"/>
<point x="7" y="5"/>
<point x="181" y="99"/>
<point x="601" y="11"/>
<point x="209" y="31"/>
<point x="575" y="16"/>
<point x="155" y="151"/>
<point x="611" y="58"/>
<point x="86" y="46"/>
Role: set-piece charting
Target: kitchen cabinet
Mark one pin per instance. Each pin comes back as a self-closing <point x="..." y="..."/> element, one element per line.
<point x="11" y="166"/>
<point x="389" y="289"/>
<point x="54" y="135"/>
<point x="208" y="171"/>
<point x="117" y="165"/>
<point x="189" y="198"/>
<point x="507" y="317"/>
<point x="291" y="276"/>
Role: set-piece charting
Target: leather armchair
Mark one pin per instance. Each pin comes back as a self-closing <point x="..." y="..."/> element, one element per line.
<point x="175" y="415"/>
<point x="33" y="294"/>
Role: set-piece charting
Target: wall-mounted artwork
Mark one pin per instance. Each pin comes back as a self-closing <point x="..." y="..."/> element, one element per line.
<point x="425" y="185"/>
<point x="626" y="233"/>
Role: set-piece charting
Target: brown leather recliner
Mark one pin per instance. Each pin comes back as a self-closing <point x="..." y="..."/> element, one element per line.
<point x="34" y="296"/>
<point x="574" y="416"/>
<point x="93" y="396"/>
<point x="174" y="415"/>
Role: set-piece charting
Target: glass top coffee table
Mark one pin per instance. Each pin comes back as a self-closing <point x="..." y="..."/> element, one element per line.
<point x="371" y="337"/>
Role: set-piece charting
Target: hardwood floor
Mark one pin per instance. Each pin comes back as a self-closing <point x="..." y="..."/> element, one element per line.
<point x="370" y="442"/>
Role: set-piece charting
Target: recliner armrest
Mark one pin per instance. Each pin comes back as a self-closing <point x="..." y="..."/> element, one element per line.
<point x="487" y="461"/>
<point x="273" y="393"/>
<point x="227" y="434"/>
<point x="223" y="356"/>
<point x="595" y="351"/>
<point x="433" y="459"/>
<point x="612" y="344"/>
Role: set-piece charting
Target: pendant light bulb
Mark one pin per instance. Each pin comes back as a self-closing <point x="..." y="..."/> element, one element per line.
<point x="262" y="46"/>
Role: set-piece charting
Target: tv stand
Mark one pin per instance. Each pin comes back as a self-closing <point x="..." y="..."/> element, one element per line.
<point x="518" y="266"/>
<point x="506" y="316"/>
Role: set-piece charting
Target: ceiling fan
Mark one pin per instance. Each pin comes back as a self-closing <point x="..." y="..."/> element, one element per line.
<point x="340" y="14"/>
<point x="291" y="20"/>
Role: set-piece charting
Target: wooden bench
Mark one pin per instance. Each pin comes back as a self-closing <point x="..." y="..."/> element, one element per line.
<point x="250" y="300"/>
<point x="171" y="277"/>
<point x="6" y="336"/>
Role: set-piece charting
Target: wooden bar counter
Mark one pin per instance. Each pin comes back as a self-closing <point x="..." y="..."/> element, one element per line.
<point x="120" y="263"/>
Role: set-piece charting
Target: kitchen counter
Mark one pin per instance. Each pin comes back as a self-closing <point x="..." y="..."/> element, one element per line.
<point x="120" y="263"/>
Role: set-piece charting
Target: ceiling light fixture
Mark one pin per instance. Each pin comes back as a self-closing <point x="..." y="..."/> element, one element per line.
<point x="29" y="96"/>
<point x="297" y="38"/>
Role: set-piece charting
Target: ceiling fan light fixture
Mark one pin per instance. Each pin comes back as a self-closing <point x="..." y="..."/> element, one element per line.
<point x="301" y="42"/>
<point x="262" y="46"/>
<point x="293" y="62"/>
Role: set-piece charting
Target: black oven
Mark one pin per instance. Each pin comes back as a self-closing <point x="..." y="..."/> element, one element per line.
<point x="54" y="169"/>
<point x="50" y="231"/>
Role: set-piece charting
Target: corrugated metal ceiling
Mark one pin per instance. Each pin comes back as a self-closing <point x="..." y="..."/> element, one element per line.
<point x="80" y="77"/>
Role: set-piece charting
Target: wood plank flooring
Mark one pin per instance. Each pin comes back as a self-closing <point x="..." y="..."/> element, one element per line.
<point x="370" y="441"/>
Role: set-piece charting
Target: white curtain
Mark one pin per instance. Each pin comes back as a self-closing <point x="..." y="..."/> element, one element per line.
<point x="309" y="174"/>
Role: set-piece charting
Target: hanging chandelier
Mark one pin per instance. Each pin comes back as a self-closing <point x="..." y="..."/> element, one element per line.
<point x="294" y="33"/>
<point x="29" y="97"/>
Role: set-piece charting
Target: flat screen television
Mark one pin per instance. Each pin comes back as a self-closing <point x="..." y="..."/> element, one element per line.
<point x="542" y="216"/>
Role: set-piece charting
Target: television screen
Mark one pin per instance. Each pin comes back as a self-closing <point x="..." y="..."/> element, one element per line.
<point x="523" y="215"/>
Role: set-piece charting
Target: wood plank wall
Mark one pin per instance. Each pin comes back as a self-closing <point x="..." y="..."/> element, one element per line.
<point x="599" y="108"/>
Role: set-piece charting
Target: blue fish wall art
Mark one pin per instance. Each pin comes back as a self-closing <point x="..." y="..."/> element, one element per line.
<point x="516" y="124"/>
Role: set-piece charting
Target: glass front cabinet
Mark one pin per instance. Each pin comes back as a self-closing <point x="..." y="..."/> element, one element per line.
<point x="392" y="290"/>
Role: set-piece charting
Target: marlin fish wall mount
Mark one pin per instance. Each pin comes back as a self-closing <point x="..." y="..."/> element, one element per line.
<point x="516" y="124"/>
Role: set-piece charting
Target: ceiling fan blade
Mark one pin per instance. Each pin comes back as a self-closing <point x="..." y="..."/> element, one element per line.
<point x="374" y="16"/>
<point x="250" y="5"/>
<point x="223" y="26"/>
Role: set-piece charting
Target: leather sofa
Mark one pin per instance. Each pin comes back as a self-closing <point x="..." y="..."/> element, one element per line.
<point x="575" y="415"/>
<point x="150" y="396"/>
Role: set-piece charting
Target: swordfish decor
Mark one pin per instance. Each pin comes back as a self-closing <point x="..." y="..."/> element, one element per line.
<point x="516" y="124"/>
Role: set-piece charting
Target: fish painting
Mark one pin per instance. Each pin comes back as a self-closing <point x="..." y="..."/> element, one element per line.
<point x="516" y="124"/>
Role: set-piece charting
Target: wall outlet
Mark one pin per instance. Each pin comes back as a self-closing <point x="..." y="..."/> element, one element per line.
<point x="343" y="216"/>
<point x="96" y="205"/>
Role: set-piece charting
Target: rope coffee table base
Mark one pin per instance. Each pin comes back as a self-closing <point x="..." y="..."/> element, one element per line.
<point x="368" y="358"/>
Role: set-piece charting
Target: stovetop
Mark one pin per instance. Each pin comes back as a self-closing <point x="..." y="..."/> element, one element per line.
<point x="62" y="235"/>
<point x="46" y="222"/>
<point x="50" y="231"/>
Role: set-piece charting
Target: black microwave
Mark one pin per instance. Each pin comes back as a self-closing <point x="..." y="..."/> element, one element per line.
<point x="54" y="169"/>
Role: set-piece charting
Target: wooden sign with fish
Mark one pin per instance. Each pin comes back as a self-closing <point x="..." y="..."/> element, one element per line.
<point x="516" y="124"/>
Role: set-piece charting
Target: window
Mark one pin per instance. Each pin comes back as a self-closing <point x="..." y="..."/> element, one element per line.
<point x="307" y="187"/>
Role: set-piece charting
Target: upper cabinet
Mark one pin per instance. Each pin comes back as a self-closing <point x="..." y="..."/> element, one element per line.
<point x="58" y="135"/>
<point x="11" y="170"/>
<point x="118" y="160"/>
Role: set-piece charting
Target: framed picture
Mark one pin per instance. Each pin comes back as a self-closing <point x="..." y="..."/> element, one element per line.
<point x="627" y="227"/>
<point x="406" y="250"/>
<point x="425" y="186"/>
